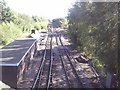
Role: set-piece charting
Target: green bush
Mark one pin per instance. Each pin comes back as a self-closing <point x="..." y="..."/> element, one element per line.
<point x="93" y="28"/>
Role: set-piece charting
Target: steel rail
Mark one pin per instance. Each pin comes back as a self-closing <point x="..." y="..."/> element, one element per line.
<point x="95" y="72"/>
<point x="68" y="82"/>
<point x="49" y="80"/>
<point x="38" y="78"/>
<point x="73" y="68"/>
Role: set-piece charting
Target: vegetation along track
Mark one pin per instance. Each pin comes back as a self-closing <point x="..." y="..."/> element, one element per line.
<point x="82" y="73"/>
<point x="59" y="69"/>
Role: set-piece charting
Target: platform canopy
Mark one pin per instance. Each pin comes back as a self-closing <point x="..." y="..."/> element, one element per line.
<point x="14" y="53"/>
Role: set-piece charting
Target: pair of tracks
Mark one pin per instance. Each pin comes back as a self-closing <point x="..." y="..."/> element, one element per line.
<point x="47" y="72"/>
<point x="68" y="61"/>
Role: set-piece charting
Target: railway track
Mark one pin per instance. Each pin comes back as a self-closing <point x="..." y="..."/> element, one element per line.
<point x="57" y="68"/>
<point x="76" y="71"/>
<point x="70" y="71"/>
<point x="43" y="77"/>
<point x="63" y="65"/>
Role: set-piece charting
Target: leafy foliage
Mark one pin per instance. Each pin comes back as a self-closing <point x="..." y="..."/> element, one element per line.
<point x="14" y="25"/>
<point x="93" y="29"/>
<point x="6" y="14"/>
<point x="59" y="22"/>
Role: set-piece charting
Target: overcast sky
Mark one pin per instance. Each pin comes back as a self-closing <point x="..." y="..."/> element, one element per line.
<point x="47" y="8"/>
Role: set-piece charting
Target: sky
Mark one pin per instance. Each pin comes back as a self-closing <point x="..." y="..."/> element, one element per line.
<point x="49" y="9"/>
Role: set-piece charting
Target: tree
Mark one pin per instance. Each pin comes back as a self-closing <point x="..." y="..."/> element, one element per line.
<point x="40" y="22"/>
<point x="93" y="29"/>
<point x="5" y="12"/>
<point x="59" y="22"/>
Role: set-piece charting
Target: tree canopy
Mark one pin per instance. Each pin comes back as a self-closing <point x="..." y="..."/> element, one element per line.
<point x="94" y="31"/>
<point x="59" y="22"/>
<point x="14" y="25"/>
